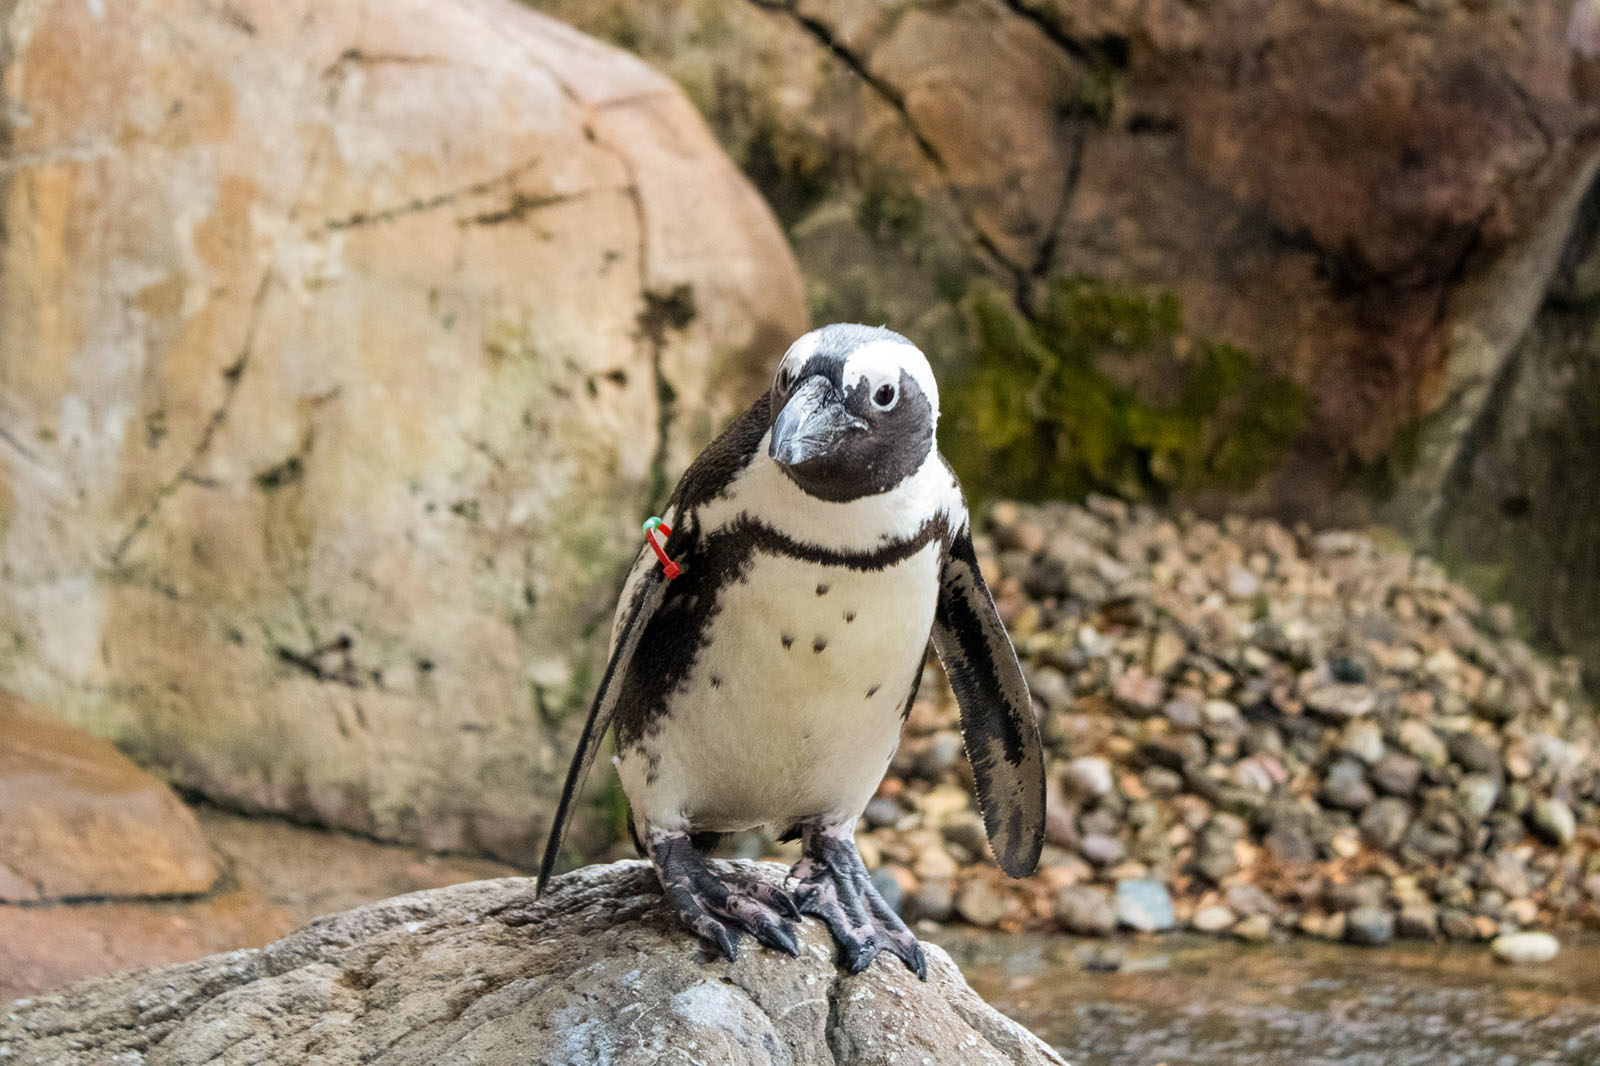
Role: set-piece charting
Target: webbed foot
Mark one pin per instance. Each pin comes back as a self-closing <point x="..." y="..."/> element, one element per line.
<point x="721" y="909"/>
<point x="834" y="886"/>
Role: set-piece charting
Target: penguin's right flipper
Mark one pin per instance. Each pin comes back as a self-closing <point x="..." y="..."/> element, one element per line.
<point x="645" y="598"/>
<point x="997" y="725"/>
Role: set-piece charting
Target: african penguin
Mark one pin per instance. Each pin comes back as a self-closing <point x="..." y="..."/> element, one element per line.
<point x="823" y="539"/>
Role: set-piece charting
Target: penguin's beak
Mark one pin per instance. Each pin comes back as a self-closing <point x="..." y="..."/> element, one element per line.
<point x="811" y="424"/>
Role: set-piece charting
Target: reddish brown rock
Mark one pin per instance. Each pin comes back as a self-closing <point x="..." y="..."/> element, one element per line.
<point x="46" y="947"/>
<point x="78" y="820"/>
<point x="1370" y="197"/>
<point x="279" y="876"/>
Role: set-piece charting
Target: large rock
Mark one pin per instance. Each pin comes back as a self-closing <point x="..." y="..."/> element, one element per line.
<point x="598" y="971"/>
<point x="1369" y="197"/>
<point x="78" y="820"/>
<point x="47" y="947"/>
<point x="345" y="348"/>
<point x="1519" y="515"/>
<point x="277" y="876"/>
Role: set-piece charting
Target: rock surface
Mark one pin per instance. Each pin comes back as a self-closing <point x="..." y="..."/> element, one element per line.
<point x="78" y="820"/>
<point x="1517" y="514"/>
<point x="1378" y="199"/>
<point x="1370" y="196"/>
<point x="345" y="346"/>
<point x="597" y="971"/>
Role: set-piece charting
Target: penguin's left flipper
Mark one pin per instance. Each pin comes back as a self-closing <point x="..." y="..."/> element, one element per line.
<point x="997" y="724"/>
<point x="645" y="598"/>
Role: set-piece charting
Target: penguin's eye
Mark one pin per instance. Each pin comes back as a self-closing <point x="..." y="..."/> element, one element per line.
<point x="785" y="378"/>
<point x="884" y="396"/>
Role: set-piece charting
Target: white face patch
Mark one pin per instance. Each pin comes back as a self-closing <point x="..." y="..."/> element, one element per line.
<point x="881" y="362"/>
<point x="795" y="358"/>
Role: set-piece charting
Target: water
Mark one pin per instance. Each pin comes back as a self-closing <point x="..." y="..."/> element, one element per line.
<point x="1188" y="1001"/>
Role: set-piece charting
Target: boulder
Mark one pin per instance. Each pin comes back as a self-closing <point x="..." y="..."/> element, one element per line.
<point x="78" y="820"/>
<point x="596" y="971"/>
<point x="346" y="346"/>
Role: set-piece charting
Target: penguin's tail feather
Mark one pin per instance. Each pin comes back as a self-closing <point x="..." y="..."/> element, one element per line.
<point x="601" y="713"/>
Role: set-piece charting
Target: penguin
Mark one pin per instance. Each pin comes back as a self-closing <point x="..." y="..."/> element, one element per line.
<point x="822" y="541"/>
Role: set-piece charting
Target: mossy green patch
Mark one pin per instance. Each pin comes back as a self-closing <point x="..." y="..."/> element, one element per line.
<point x="1098" y="91"/>
<point x="1040" y="416"/>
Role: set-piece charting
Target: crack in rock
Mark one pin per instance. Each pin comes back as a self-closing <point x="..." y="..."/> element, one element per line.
<point x="232" y="375"/>
<point x="892" y="97"/>
<point x="420" y="205"/>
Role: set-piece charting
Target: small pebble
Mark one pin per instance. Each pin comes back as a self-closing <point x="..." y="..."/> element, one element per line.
<point x="981" y="904"/>
<point x="1370" y="926"/>
<point x="1554" y="821"/>
<point x="1088" y="777"/>
<point x="1255" y="929"/>
<point x="1213" y="919"/>
<point x="1086" y="910"/>
<point x="1102" y="849"/>
<point x="933" y="901"/>
<point x="889" y="888"/>
<point x="1144" y="905"/>
<point x="1525" y="948"/>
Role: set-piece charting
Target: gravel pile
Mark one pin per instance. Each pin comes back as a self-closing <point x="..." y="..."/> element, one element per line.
<point x="1252" y="730"/>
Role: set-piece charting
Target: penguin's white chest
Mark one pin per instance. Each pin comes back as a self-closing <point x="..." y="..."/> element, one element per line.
<point x="793" y="707"/>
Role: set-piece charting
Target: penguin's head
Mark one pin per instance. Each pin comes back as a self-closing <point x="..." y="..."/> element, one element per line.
<point x="853" y="411"/>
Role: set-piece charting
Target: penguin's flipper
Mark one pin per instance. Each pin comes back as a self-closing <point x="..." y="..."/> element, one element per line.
<point x="645" y="598"/>
<point x="997" y="725"/>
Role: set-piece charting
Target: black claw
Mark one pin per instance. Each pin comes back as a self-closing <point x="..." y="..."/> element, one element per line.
<point x="899" y="941"/>
<point x="780" y="936"/>
<point x="727" y="942"/>
<point x="784" y="904"/>
<point x="917" y="963"/>
<point x="858" y="957"/>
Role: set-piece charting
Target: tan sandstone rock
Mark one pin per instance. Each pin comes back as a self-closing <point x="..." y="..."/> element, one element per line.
<point x="344" y="348"/>
<point x="78" y="820"/>
<point x="598" y="971"/>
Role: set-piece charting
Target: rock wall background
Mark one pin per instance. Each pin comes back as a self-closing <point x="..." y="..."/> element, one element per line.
<point x="1370" y="200"/>
<point x="341" y="350"/>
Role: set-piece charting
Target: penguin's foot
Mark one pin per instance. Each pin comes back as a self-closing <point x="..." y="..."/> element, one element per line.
<point x="834" y="886"/>
<point x="721" y="909"/>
